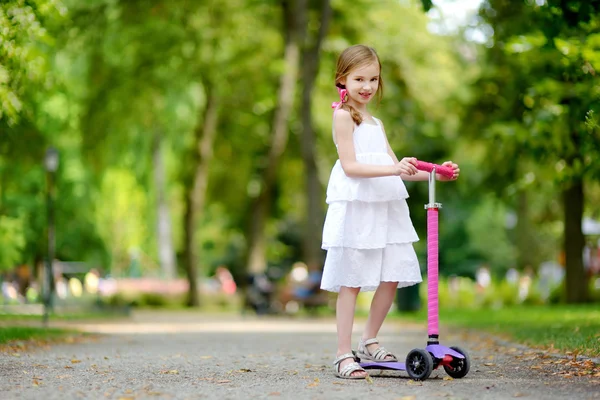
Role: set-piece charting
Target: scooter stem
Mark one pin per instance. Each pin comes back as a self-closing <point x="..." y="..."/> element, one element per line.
<point x="432" y="263"/>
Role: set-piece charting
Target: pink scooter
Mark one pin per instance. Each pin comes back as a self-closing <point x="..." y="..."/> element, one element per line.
<point x="421" y="362"/>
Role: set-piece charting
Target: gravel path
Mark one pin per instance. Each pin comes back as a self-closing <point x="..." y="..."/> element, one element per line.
<point x="187" y="355"/>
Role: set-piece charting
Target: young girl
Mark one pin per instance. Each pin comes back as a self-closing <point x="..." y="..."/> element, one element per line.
<point x="368" y="233"/>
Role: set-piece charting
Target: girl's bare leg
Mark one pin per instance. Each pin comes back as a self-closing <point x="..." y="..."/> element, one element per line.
<point x="380" y="306"/>
<point x="344" y="313"/>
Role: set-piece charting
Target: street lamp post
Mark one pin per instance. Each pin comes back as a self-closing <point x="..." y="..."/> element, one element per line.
<point x="51" y="165"/>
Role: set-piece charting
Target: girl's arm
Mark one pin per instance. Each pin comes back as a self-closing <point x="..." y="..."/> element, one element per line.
<point x="343" y="128"/>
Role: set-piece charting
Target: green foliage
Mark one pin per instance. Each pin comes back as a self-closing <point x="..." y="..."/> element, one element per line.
<point x="486" y="228"/>
<point x="24" y="52"/>
<point x="121" y="219"/>
<point x="105" y="80"/>
<point x="12" y="238"/>
<point x="539" y="85"/>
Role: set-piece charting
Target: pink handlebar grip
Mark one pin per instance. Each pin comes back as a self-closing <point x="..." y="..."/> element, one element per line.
<point x="445" y="171"/>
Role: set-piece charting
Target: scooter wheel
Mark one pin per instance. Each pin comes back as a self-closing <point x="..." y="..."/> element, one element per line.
<point x="419" y="364"/>
<point x="459" y="367"/>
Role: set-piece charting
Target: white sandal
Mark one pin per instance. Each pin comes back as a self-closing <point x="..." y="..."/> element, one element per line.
<point x="346" y="372"/>
<point x="379" y="355"/>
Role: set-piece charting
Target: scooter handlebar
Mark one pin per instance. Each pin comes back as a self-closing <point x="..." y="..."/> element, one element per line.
<point x="444" y="171"/>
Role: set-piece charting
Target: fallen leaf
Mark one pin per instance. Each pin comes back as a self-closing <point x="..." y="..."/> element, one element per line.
<point x="274" y="394"/>
<point x="75" y="361"/>
<point x="245" y="370"/>
<point x="489" y="364"/>
<point x="519" y="394"/>
<point x="408" y="398"/>
<point x="448" y="378"/>
<point x="369" y="379"/>
<point x="169" y="372"/>
<point x="205" y="357"/>
<point x="223" y="381"/>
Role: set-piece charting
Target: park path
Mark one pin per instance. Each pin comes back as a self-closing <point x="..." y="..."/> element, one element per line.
<point x="187" y="355"/>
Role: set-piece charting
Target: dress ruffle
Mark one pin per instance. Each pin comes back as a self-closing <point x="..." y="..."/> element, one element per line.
<point x="368" y="268"/>
<point x="364" y="225"/>
<point x="386" y="188"/>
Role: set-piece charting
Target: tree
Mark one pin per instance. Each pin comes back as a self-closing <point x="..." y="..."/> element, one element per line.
<point x="311" y="51"/>
<point x="293" y="12"/>
<point x="533" y="100"/>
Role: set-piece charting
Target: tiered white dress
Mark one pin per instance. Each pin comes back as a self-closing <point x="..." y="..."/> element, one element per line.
<point x="368" y="233"/>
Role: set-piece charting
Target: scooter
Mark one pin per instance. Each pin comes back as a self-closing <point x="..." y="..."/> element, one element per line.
<point x="421" y="362"/>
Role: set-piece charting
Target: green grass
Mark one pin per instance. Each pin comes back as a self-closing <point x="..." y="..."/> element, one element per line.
<point x="23" y="327"/>
<point x="18" y="333"/>
<point x="574" y="328"/>
<point x="61" y="317"/>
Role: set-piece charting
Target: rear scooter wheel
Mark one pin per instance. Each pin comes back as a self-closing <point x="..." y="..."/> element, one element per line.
<point x="419" y="364"/>
<point x="459" y="367"/>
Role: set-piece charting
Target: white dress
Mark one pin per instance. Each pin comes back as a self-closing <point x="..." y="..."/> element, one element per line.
<point x="368" y="233"/>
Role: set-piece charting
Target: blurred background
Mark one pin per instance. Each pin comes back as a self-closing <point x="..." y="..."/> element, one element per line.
<point x="174" y="153"/>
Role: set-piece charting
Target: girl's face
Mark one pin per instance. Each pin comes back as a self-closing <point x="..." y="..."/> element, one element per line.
<point x="362" y="84"/>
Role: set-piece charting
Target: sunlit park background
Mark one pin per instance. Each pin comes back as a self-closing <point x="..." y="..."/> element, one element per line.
<point x="174" y="153"/>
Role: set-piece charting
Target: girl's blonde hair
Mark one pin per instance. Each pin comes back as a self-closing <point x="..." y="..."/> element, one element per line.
<point x="353" y="57"/>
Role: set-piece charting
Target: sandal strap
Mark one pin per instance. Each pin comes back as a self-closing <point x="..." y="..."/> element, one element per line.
<point x="370" y="341"/>
<point x="350" y="368"/>
<point x="381" y="353"/>
<point x="343" y="357"/>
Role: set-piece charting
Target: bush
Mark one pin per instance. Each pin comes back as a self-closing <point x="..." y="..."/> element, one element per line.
<point x="152" y="300"/>
<point x="464" y="293"/>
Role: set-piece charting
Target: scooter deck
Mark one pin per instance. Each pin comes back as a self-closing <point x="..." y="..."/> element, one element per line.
<point x="437" y="351"/>
<point x="395" y="365"/>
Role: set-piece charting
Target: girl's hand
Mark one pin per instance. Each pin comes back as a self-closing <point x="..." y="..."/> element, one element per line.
<point x="406" y="166"/>
<point x="454" y="167"/>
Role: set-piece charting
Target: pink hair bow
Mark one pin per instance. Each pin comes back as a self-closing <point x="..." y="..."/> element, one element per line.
<point x="338" y="104"/>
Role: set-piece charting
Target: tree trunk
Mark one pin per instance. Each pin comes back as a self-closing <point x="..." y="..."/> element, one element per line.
<point x="196" y="197"/>
<point x="260" y="207"/>
<point x="166" y="254"/>
<point x="576" y="280"/>
<point x="313" y="255"/>
<point x="525" y="235"/>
